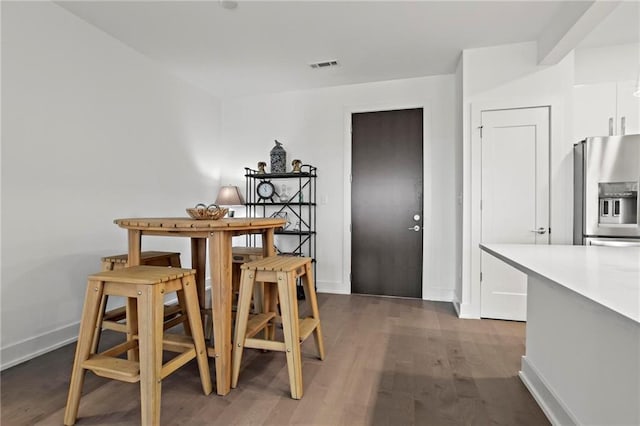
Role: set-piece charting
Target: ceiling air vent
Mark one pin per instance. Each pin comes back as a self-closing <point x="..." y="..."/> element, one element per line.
<point x="325" y="64"/>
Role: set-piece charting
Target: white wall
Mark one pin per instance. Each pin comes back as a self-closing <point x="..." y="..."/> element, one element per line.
<point x="91" y="131"/>
<point x="312" y="126"/>
<point x="608" y="63"/>
<point x="509" y="77"/>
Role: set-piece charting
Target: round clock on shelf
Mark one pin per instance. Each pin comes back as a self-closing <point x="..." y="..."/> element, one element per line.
<point x="266" y="190"/>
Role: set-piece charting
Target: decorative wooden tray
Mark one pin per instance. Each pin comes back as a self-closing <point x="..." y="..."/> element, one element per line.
<point x="210" y="212"/>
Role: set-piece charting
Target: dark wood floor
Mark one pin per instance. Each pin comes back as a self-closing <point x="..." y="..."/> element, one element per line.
<point x="389" y="362"/>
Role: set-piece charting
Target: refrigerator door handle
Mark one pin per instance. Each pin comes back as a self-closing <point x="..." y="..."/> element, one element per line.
<point x="614" y="243"/>
<point x="610" y="126"/>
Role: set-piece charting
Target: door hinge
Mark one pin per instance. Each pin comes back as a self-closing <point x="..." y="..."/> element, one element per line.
<point x="349" y="227"/>
<point x="480" y="127"/>
<point x="480" y="276"/>
<point x="350" y="277"/>
<point x="350" y="177"/>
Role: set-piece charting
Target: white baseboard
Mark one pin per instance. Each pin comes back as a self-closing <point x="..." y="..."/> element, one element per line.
<point x="35" y="346"/>
<point x="438" y="294"/>
<point x="552" y="407"/>
<point x="332" y="287"/>
<point x="338" y="287"/>
<point x="465" y="311"/>
<point x="38" y="345"/>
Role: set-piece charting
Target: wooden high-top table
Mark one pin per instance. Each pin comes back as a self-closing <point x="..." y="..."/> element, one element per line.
<point x="219" y="234"/>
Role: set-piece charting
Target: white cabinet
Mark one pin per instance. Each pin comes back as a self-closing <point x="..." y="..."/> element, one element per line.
<point x="605" y="109"/>
<point x="594" y="108"/>
<point x="628" y="108"/>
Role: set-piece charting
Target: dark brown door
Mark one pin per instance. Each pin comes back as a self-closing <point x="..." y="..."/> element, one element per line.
<point x="386" y="203"/>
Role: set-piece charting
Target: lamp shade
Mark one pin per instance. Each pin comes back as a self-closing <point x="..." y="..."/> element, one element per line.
<point x="229" y="196"/>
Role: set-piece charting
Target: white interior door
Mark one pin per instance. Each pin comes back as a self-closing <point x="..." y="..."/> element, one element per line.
<point x="515" y="201"/>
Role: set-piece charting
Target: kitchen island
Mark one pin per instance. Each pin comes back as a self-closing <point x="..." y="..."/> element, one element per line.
<point x="582" y="356"/>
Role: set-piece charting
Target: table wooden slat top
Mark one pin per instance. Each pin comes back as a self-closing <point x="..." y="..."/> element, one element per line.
<point x="185" y="223"/>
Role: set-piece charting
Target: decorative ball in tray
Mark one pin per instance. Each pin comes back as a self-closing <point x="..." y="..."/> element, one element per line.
<point x="210" y="212"/>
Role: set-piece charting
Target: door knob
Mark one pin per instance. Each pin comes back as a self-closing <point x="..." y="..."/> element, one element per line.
<point x="540" y="230"/>
<point x="415" y="228"/>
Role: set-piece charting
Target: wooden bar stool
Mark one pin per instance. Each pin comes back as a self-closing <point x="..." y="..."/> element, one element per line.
<point x="281" y="271"/>
<point x="115" y="319"/>
<point x="240" y="255"/>
<point x="147" y="285"/>
<point x="151" y="258"/>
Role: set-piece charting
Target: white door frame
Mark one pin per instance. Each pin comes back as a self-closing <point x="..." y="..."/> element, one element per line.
<point x="426" y="183"/>
<point x="561" y="201"/>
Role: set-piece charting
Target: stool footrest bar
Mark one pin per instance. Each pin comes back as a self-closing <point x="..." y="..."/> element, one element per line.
<point x="306" y="327"/>
<point x="113" y="368"/>
<point x="268" y="345"/>
<point x="258" y="322"/>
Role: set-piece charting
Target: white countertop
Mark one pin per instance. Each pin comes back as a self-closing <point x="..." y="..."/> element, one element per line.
<point x="609" y="276"/>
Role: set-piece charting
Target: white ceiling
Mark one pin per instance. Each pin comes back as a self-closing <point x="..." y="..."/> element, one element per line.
<point x="266" y="46"/>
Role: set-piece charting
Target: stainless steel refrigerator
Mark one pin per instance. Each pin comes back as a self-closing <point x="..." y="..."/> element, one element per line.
<point x="606" y="182"/>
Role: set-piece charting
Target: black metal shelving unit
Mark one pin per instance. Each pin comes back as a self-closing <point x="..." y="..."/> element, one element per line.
<point x="299" y="206"/>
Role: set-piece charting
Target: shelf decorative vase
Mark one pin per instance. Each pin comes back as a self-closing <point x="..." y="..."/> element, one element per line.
<point x="284" y="194"/>
<point x="278" y="159"/>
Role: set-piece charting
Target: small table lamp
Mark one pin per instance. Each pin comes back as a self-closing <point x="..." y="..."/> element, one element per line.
<point x="229" y="196"/>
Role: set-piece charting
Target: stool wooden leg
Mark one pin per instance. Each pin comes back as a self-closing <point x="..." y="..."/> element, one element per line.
<point x="151" y="314"/>
<point x="132" y="326"/>
<point x="183" y="307"/>
<point x="289" y="311"/>
<point x="273" y="307"/>
<point x="262" y="296"/>
<point x="83" y="348"/>
<point x="174" y="261"/>
<point x="192" y="309"/>
<point x="310" y="296"/>
<point x="98" y="329"/>
<point x="247" y="281"/>
<point x="207" y="324"/>
<point x="235" y="280"/>
<point x="106" y="266"/>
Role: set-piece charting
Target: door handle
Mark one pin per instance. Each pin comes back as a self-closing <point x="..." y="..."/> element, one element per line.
<point x="415" y="228"/>
<point x="540" y="230"/>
